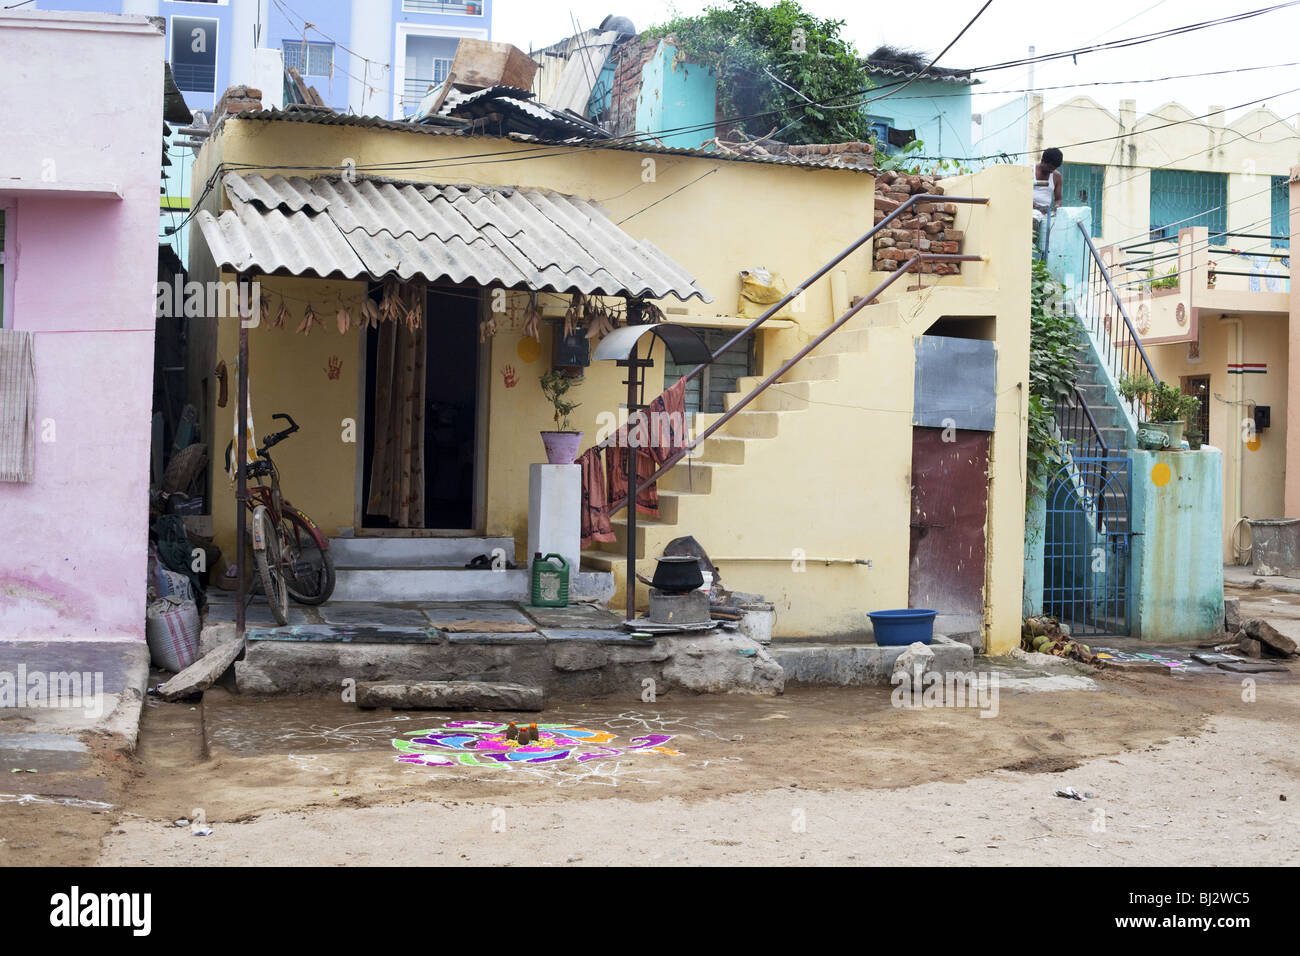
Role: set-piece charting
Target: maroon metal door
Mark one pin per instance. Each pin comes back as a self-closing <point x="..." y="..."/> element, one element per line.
<point x="949" y="505"/>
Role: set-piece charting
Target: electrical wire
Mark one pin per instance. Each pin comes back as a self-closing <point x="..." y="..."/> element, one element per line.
<point x="951" y="43"/>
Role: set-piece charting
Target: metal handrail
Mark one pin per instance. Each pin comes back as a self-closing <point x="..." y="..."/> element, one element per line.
<point x="1068" y="419"/>
<point x="1134" y="343"/>
<point x="848" y="250"/>
<point x="762" y="386"/>
<point x="803" y="286"/>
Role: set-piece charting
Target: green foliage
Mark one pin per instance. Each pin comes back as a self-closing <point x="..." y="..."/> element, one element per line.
<point x="1167" y="281"/>
<point x="1052" y="372"/>
<point x="1163" y="402"/>
<point x="905" y="161"/>
<point x="743" y="40"/>
<point x="555" y="385"/>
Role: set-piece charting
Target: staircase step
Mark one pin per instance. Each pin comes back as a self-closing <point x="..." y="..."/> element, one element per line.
<point x="721" y="449"/>
<point x="746" y="424"/>
<point x="692" y="477"/>
<point x="815" y="368"/>
<point x="781" y="397"/>
<point x="844" y="342"/>
<point x="413" y="585"/>
<point x="384" y="552"/>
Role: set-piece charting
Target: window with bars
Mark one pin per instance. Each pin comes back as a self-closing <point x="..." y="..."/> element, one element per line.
<point x="1181" y="199"/>
<point x="705" y="392"/>
<point x="1082" y="186"/>
<point x="1281" y="208"/>
<point x="309" y="58"/>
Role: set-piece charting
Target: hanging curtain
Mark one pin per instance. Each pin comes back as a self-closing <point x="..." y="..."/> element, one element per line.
<point x="397" y="469"/>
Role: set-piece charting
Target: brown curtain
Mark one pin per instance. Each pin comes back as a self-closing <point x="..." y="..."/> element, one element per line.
<point x="397" y="468"/>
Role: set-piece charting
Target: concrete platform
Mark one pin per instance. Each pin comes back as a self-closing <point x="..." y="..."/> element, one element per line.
<point x="573" y="663"/>
<point x="853" y="665"/>
<point x="119" y="675"/>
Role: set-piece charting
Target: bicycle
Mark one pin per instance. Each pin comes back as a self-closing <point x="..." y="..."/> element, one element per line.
<point x="290" y="552"/>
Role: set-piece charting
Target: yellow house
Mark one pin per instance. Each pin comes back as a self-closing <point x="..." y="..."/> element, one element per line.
<point x="1193" y="217"/>
<point x="809" y="496"/>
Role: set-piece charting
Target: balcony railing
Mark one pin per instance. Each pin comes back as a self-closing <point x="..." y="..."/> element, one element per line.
<point x="416" y="86"/>
<point x="470" y="9"/>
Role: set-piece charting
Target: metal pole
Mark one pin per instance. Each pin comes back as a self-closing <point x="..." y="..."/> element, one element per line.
<point x="241" y="479"/>
<point x="633" y="370"/>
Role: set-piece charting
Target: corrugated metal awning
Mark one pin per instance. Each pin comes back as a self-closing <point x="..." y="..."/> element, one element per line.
<point x="518" y="238"/>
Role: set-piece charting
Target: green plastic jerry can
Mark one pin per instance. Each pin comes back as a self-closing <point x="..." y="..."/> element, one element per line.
<point x="550" y="581"/>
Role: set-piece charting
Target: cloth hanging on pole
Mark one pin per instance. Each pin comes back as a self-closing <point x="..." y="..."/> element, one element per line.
<point x="17" y="405"/>
<point x="397" y="466"/>
<point x="251" y="451"/>
<point x="654" y="434"/>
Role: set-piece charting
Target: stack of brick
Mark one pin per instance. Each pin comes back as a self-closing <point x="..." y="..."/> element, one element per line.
<point x="853" y="154"/>
<point x="629" y="63"/>
<point x="924" y="227"/>
<point x="236" y="99"/>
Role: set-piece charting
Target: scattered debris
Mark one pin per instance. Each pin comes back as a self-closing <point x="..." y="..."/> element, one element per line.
<point x="202" y="674"/>
<point x="1047" y="635"/>
<point x="1070" y="793"/>
<point x="1274" y="640"/>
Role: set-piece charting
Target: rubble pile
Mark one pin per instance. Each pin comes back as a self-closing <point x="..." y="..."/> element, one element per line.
<point x="924" y="227"/>
<point x="1047" y="635"/>
<point x="1256" y="638"/>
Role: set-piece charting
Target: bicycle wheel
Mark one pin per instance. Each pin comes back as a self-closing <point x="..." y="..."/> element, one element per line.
<point x="309" y="571"/>
<point x="269" y="566"/>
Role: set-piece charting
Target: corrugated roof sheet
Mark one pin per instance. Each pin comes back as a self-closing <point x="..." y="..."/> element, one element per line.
<point x="903" y="72"/>
<point x="519" y="238"/>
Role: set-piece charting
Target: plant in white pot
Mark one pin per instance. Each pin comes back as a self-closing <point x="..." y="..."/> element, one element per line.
<point x="561" y="444"/>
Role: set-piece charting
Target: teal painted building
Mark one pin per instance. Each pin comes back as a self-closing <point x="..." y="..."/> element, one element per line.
<point x="676" y="95"/>
<point x="934" y="108"/>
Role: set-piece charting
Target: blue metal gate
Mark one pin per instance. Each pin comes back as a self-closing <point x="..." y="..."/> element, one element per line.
<point x="1087" y="555"/>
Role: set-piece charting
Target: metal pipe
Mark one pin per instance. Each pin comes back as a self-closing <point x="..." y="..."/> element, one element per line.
<point x="790" y="363"/>
<point x="631" y="455"/>
<point x="241" y="479"/>
<point x="865" y="562"/>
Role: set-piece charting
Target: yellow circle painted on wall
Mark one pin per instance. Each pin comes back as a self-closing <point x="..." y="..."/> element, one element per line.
<point x="530" y="350"/>
<point x="1161" y="475"/>
<point x="1254" y="443"/>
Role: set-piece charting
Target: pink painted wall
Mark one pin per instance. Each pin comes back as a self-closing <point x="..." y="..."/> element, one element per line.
<point x="73" y="541"/>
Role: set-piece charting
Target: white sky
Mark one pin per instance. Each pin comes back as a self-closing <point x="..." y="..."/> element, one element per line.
<point x="1005" y="32"/>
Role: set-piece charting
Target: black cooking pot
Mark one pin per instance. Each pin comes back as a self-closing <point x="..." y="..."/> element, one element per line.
<point x="678" y="574"/>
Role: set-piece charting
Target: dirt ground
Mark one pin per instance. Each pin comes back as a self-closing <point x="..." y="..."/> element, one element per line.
<point x="1181" y="770"/>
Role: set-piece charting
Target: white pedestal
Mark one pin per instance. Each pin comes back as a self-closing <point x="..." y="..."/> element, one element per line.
<point x="554" y="522"/>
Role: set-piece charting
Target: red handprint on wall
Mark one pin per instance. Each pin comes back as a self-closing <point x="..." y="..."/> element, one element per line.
<point x="508" y="376"/>
<point x="335" y="367"/>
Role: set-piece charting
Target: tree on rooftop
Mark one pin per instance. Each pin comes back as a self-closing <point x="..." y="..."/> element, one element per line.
<point x="747" y="44"/>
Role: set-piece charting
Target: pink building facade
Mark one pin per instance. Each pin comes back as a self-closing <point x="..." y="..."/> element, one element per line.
<point x="79" y="174"/>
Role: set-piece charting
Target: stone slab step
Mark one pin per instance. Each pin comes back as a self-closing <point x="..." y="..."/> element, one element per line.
<point x="383" y="552"/>
<point x="854" y="665"/>
<point x="406" y="585"/>
<point x="449" y="695"/>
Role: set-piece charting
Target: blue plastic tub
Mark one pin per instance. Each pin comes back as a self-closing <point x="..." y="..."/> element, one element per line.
<point x="902" y="627"/>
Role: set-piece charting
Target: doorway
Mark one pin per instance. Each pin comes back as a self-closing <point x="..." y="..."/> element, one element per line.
<point x="450" y="410"/>
<point x="949" y="507"/>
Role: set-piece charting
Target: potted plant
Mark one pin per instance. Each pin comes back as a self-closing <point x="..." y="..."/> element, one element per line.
<point x="1194" y="439"/>
<point x="1167" y="410"/>
<point x="561" y="444"/>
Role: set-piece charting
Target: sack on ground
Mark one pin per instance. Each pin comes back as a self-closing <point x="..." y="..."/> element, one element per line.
<point x="172" y="629"/>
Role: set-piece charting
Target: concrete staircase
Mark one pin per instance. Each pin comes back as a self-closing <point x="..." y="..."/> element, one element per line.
<point x="787" y="435"/>
<point x="421" y="569"/>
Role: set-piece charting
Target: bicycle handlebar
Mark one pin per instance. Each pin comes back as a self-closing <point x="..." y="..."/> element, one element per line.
<point x="267" y="443"/>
